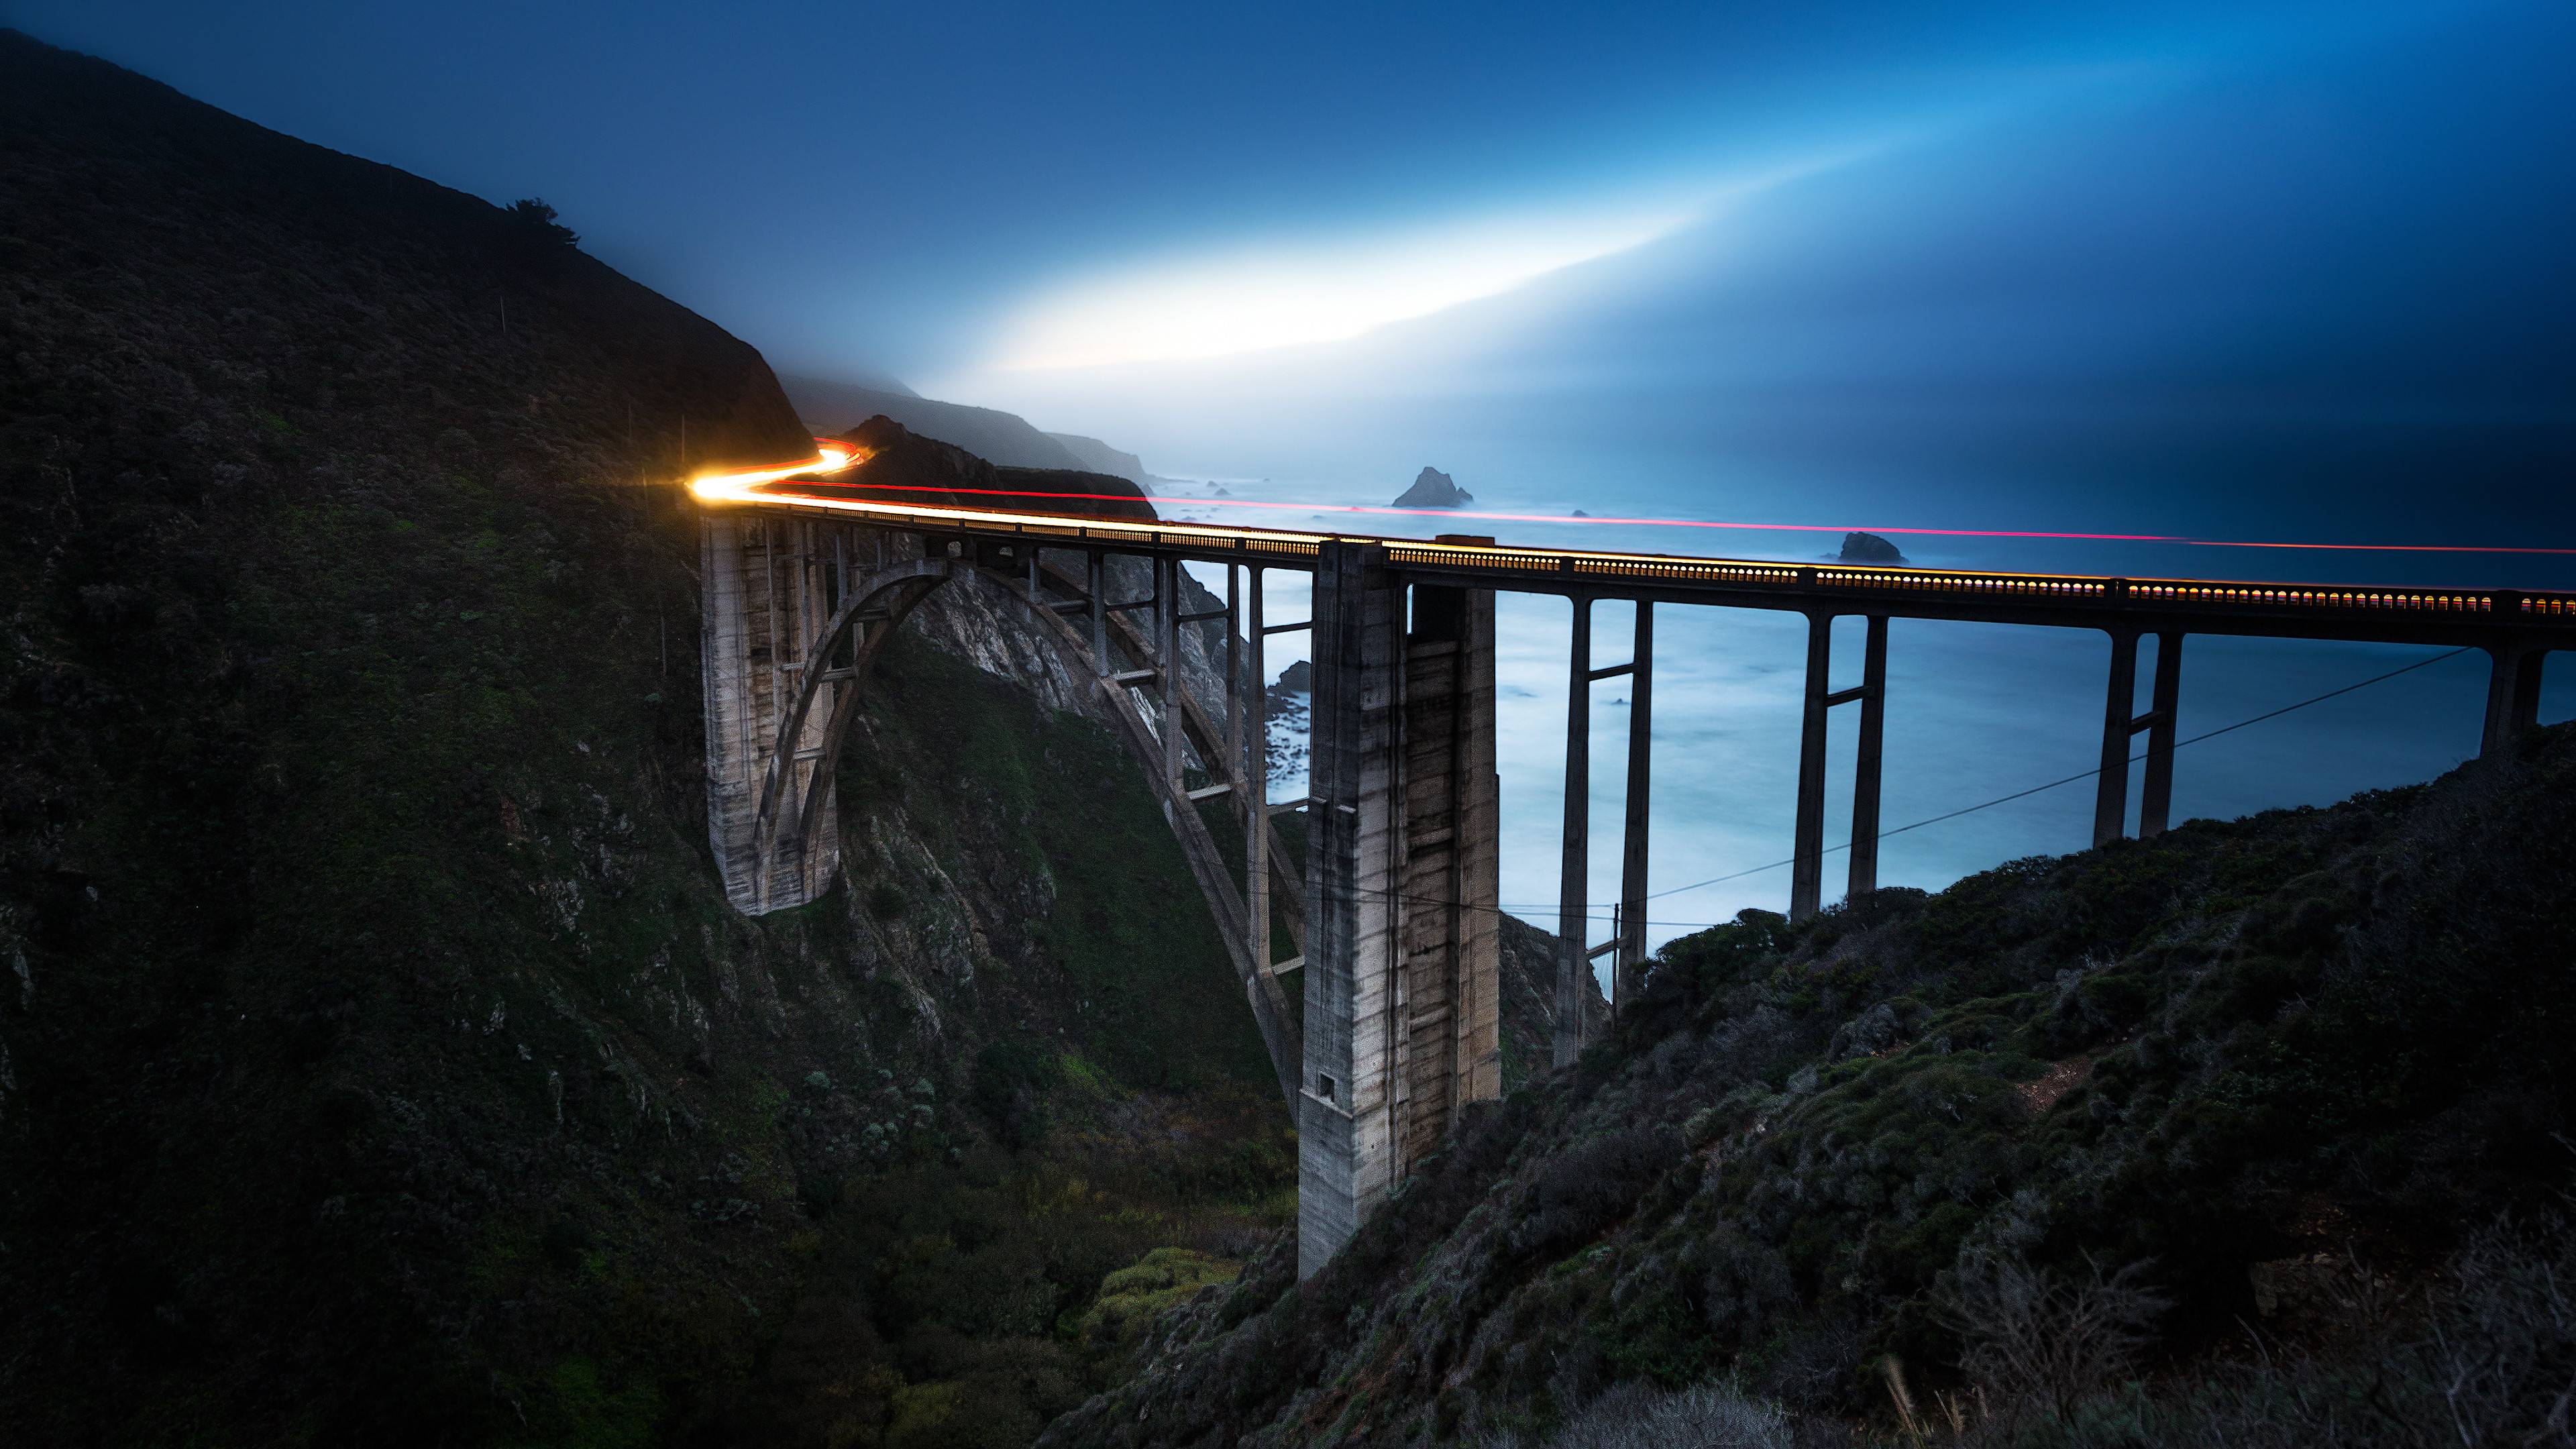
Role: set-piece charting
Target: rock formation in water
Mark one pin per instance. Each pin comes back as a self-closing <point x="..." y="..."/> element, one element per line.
<point x="1868" y="548"/>
<point x="1434" y="489"/>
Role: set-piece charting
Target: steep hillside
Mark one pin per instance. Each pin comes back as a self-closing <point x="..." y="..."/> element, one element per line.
<point x="378" y="1060"/>
<point x="1004" y="438"/>
<point x="1099" y="457"/>
<point x="2252" y="1134"/>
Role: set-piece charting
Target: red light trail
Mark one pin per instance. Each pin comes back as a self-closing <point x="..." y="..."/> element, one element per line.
<point x="774" y="474"/>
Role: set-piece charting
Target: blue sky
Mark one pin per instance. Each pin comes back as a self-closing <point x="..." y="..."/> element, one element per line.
<point x="903" y="188"/>
<point x="2194" y="267"/>
<point x="2246" y="270"/>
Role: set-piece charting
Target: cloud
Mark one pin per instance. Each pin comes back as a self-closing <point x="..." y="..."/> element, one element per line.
<point x="1269" y="294"/>
<point x="1262" y="296"/>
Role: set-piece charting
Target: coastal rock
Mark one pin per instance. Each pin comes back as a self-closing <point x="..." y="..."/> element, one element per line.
<point x="1298" y="678"/>
<point x="1434" y="489"/>
<point x="1869" y="548"/>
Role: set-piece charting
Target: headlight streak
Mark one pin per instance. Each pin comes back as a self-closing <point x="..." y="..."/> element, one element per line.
<point x="834" y="456"/>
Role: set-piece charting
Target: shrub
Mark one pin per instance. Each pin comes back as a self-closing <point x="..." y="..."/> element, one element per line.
<point x="1632" y="1416"/>
<point x="2038" y="1339"/>
<point x="1588" y="1187"/>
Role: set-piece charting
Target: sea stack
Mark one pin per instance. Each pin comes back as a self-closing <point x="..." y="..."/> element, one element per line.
<point x="1434" y="489"/>
<point x="1868" y="548"/>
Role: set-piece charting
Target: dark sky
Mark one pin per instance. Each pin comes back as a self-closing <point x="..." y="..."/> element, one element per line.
<point x="2269" y="271"/>
<point x="2196" y="267"/>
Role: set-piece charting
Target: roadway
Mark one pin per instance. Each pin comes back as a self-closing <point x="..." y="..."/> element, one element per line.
<point x="2483" y="617"/>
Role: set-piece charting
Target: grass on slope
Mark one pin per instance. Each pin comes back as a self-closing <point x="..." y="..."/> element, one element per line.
<point x="2215" y="1059"/>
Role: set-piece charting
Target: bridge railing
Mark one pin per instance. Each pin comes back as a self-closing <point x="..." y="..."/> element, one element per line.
<point x="1294" y="549"/>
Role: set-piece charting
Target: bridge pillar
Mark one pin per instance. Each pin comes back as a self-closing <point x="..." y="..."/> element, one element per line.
<point x="2513" y="696"/>
<point x="2120" y="724"/>
<point x="1573" y="904"/>
<point x="766" y="594"/>
<point x="1868" y="769"/>
<point x="2155" y="801"/>
<point x="2119" y="713"/>
<point x="1402" y="959"/>
<point x="1807" y="852"/>
<point x="1629" y="974"/>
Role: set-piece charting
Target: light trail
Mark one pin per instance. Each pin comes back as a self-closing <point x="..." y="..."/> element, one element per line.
<point x="830" y="456"/>
<point x="834" y="456"/>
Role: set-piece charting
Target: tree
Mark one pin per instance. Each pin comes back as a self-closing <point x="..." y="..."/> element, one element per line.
<point x="535" y="223"/>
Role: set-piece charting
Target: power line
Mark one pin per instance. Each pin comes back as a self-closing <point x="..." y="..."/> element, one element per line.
<point x="1946" y="815"/>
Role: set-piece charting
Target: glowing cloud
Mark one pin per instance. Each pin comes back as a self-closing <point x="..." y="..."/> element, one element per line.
<point x="1282" y="296"/>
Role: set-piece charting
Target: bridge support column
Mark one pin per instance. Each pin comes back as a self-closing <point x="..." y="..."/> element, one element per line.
<point x="2120" y="725"/>
<point x="1807" y="853"/>
<point x="1573" y="906"/>
<point x="766" y="593"/>
<point x="1253" y="764"/>
<point x="1628" y="975"/>
<point x="2513" y="696"/>
<point x="2155" y="801"/>
<point x="1868" y="768"/>
<point x="1402" y="966"/>
<point x="2119" y="713"/>
<point x="1167" y="650"/>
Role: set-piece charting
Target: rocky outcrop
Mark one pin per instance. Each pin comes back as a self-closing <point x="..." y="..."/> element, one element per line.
<point x="1434" y="489"/>
<point x="1868" y="548"/>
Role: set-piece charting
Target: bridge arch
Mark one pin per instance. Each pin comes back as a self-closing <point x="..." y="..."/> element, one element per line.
<point x="793" y="842"/>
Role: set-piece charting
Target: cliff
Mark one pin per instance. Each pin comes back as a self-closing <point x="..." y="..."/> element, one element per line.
<point x="378" y="1060"/>
<point x="1099" y="457"/>
<point x="1006" y="439"/>
<point x="2253" y="1133"/>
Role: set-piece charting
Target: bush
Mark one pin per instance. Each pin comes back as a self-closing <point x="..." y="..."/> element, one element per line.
<point x="2036" y="1339"/>
<point x="2489" y="1361"/>
<point x="1589" y="1186"/>
<point x="1631" y="1416"/>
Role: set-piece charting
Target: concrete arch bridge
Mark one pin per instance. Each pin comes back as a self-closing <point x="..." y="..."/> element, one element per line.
<point x="1390" y="914"/>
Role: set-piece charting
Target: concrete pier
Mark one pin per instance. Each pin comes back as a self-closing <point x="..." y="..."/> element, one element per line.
<point x="2120" y="725"/>
<point x="1402" y="964"/>
<point x="1807" y="849"/>
<point x="1869" y="767"/>
<point x="2155" y="800"/>
<point x="1575" y="844"/>
<point x="2119" y="711"/>
<point x="2513" y="695"/>
<point x="766" y="598"/>
<point x="1628" y="974"/>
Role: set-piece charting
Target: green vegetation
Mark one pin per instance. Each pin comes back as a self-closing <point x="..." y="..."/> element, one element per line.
<point x="2019" y="1162"/>
<point x="379" y="1061"/>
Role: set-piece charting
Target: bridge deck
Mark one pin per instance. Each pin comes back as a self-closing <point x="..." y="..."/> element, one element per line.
<point x="2379" y="613"/>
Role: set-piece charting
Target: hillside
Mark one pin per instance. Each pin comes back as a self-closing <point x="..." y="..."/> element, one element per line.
<point x="378" y="1061"/>
<point x="2256" y="1133"/>
<point x="1099" y="457"/>
<point x="1003" y="438"/>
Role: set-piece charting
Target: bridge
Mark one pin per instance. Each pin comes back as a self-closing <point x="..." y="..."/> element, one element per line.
<point x="1390" y="916"/>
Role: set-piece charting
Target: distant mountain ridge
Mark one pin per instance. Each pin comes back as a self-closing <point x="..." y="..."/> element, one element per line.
<point x="1004" y="439"/>
<point x="1099" y="457"/>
